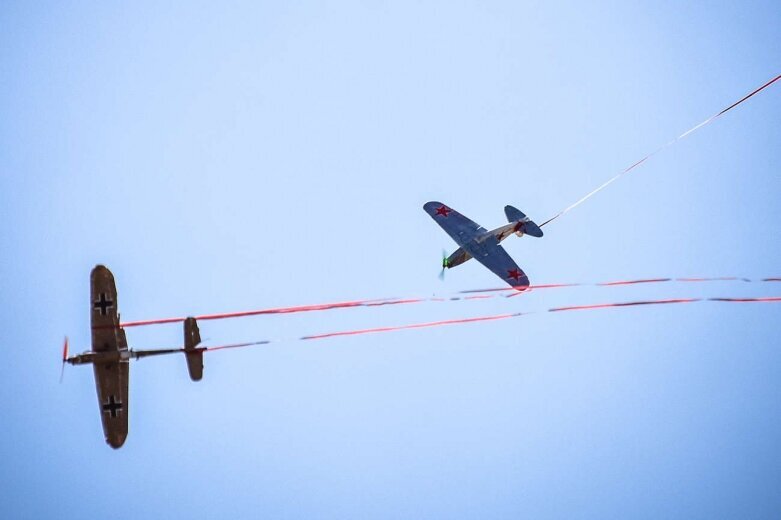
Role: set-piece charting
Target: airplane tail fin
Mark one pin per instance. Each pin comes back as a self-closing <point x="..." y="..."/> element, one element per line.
<point x="524" y="224"/>
<point x="194" y="354"/>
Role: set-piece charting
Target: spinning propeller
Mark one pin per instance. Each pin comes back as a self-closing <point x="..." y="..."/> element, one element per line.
<point x="444" y="265"/>
<point x="64" y="357"/>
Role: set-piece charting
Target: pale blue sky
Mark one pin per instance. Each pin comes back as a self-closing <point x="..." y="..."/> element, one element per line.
<point x="249" y="154"/>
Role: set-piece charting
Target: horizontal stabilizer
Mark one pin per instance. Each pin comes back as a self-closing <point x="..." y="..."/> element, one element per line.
<point x="513" y="214"/>
<point x="526" y="226"/>
<point x="194" y="354"/>
<point x="532" y="229"/>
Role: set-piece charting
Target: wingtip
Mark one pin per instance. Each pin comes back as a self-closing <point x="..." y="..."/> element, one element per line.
<point x="116" y="441"/>
<point x="523" y="286"/>
<point x="101" y="270"/>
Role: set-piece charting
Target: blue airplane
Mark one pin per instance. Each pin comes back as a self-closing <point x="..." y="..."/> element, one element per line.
<point x="474" y="241"/>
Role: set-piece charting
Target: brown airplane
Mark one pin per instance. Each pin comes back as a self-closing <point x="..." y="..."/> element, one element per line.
<point x="110" y="356"/>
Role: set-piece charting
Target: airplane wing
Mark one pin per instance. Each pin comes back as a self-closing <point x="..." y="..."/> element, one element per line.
<point x="111" y="377"/>
<point x="489" y="253"/>
<point x="460" y="228"/>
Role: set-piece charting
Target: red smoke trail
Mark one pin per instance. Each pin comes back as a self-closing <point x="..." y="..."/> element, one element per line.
<point x="516" y="293"/>
<point x="632" y="282"/>
<point x="620" y="282"/>
<point x="359" y="332"/>
<point x="624" y="304"/>
<point x="515" y="315"/>
<point x="664" y="146"/>
<point x="733" y="105"/>
<point x="379" y="303"/>
<point x="278" y="310"/>
<point x="474" y="294"/>
<point x="442" y="323"/>
<point x="239" y="345"/>
<point x="745" y="300"/>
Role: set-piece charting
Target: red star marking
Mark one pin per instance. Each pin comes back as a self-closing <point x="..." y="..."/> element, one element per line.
<point x="515" y="274"/>
<point x="443" y="210"/>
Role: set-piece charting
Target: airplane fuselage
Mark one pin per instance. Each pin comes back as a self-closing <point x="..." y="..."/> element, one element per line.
<point x="478" y="244"/>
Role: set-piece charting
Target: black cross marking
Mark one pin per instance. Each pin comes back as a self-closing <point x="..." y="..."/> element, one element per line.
<point x="113" y="407"/>
<point x="103" y="304"/>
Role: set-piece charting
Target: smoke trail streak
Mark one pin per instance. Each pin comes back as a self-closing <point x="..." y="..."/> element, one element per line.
<point x="515" y="293"/>
<point x="633" y="282"/>
<point x="278" y="310"/>
<point x="497" y="317"/>
<point x="623" y="304"/>
<point x="621" y="282"/>
<point x="719" y="279"/>
<point x="472" y="294"/>
<point x="664" y="146"/>
<point x="413" y="326"/>
<point x="240" y="345"/>
<point x="742" y="300"/>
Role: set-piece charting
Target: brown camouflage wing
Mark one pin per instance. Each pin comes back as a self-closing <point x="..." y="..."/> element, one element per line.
<point x="111" y="380"/>
<point x="111" y="375"/>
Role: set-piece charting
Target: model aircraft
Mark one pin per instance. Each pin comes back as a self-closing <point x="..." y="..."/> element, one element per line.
<point x="110" y="355"/>
<point x="476" y="242"/>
